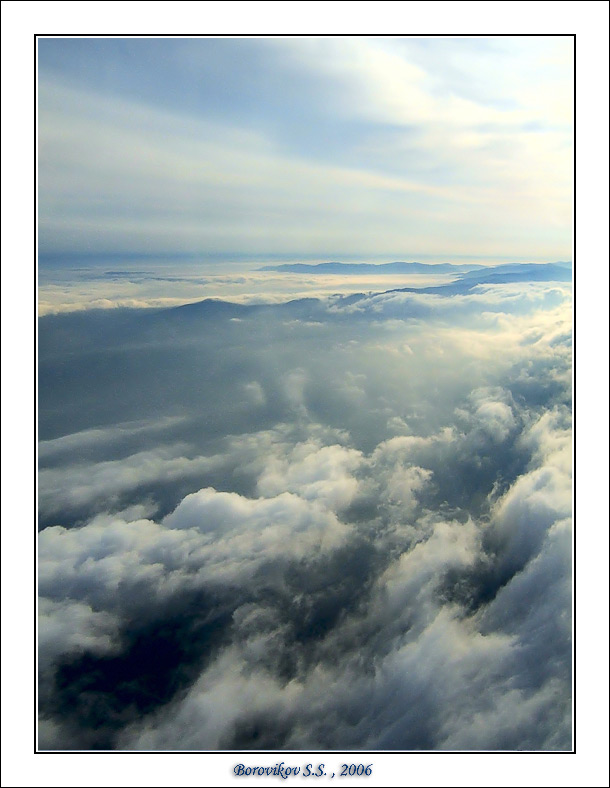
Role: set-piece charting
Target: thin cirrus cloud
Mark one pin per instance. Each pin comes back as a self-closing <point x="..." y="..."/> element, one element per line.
<point x="340" y="145"/>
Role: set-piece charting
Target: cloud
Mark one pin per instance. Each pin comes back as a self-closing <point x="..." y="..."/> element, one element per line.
<point x="279" y="570"/>
<point x="349" y="537"/>
<point x="67" y="627"/>
<point x="493" y="413"/>
<point x="256" y="392"/>
<point x="92" y="288"/>
<point x="73" y="487"/>
<point x="79" y="442"/>
<point x="381" y="137"/>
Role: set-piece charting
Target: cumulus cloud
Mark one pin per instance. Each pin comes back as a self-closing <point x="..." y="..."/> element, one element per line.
<point x="67" y="627"/>
<point x="73" y="487"/>
<point x="353" y="537"/>
<point x="315" y="473"/>
<point x="269" y="565"/>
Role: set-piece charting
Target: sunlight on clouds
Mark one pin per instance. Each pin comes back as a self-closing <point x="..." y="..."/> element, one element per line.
<point x="419" y="163"/>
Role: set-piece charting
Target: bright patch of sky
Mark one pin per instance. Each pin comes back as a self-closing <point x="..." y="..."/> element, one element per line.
<point x="331" y="148"/>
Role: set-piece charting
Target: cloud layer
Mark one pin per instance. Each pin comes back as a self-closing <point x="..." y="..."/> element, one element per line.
<point x="315" y="146"/>
<point x="336" y="524"/>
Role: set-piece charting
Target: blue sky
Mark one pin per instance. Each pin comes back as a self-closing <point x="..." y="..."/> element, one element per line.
<point x="340" y="147"/>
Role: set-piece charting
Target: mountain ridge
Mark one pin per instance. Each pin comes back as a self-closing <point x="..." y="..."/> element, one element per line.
<point x="372" y="268"/>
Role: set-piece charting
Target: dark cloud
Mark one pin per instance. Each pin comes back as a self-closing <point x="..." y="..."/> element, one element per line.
<point x="330" y="524"/>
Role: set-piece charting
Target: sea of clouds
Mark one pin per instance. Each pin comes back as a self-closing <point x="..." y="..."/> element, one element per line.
<point x="335" y="523"/>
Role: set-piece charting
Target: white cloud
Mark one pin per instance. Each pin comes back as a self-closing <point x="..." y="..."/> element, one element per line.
<point x="68" y="627"/>
<point x="421" y="651"/>
<point x="315" y="473"/>
<point x="388" y="567"/>
<point x="80" y="485"/>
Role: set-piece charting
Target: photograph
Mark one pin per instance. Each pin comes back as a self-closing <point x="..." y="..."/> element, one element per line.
<point x="304" y="378"/>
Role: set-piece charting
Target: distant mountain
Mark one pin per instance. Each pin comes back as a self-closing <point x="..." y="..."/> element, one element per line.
<point x="210" y="307"/>
<point x="307" y="307"/>
<point x="213" y="308"/>
<point x="520" y="272"/>
<point x="313" y="308"/>
<point x="88" y="331"/>
<point x="494" y="276"/>
<point x="372" y="268"/>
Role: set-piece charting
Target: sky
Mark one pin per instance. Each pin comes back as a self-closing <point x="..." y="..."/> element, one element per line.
<point x="356" y="148"/>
